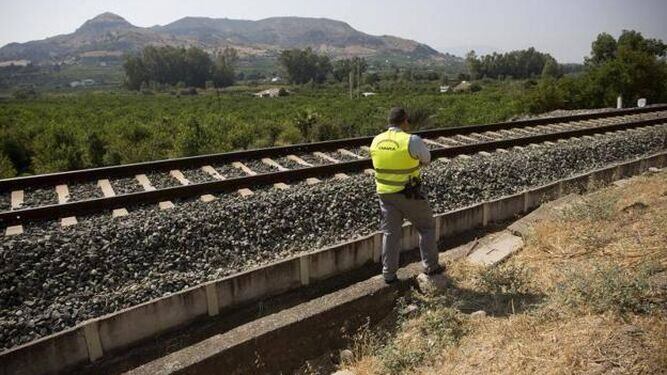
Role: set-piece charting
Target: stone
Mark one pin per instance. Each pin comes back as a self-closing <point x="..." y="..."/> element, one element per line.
<point x="409" y="309"/>
<point x="431" y="284"/>
<point x="478" y="314"/>
<point x="346" y="356"/>
<point x="496" y="250"/>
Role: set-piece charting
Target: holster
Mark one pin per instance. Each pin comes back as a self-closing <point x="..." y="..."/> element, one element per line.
<point x="413" y="189"/>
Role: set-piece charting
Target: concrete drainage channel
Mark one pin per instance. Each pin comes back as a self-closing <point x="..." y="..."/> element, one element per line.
<point x="281" y="339"/>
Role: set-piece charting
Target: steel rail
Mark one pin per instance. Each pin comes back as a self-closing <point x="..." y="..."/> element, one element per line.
<point x="96" y="205"/>
<point x="127" y="170"/>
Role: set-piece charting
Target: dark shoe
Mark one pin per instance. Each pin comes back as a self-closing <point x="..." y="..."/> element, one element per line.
<point x="435" y="271"/>
<point x="390" y="280"/>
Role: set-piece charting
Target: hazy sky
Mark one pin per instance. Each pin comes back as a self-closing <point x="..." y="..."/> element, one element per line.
<point x="564" y="28"/>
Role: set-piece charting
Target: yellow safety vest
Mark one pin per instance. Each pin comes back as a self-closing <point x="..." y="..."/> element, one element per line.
<point x="392" y="161"/>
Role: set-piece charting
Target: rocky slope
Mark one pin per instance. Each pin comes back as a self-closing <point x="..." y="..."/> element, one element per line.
<point x="111" y="35"/>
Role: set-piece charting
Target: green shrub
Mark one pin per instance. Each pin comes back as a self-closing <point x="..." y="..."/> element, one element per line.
<point x="439" y="327"/>
<point x="507" y="278"/>
<point x="7" y="169"/>
<point x="607" y="288"/>
<point x="111" y="128"/>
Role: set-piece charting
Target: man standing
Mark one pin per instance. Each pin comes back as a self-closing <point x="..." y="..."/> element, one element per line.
<point x="397" y="160"/>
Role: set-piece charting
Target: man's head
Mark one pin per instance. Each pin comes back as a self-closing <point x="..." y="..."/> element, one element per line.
<point x="398" y="117"/>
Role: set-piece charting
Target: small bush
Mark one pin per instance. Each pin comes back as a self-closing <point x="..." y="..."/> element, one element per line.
<point x="190" y="91"/>
<point x="596" y="207"/>
<point x="507" y="278"/>
<point x="7" y="169"/>
<point x="436" y="329"/>
<point x="607" y="288"/>
<point x="25" y="93"/>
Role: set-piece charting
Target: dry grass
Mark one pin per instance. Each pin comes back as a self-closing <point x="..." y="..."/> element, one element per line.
<point x="587" y="294"/>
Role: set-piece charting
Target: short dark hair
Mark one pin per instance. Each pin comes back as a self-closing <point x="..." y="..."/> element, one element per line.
<point x="397" y="115"/>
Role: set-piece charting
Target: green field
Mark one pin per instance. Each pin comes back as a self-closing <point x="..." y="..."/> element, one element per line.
<point x="63" y="132"/>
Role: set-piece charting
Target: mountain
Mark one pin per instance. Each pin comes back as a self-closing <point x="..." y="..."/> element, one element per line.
<point x="109" y="35"/>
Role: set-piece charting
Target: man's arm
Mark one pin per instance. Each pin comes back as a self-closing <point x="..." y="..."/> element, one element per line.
<point x="418" y="150"/>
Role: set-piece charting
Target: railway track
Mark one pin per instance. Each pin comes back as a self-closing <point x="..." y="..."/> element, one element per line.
<point x="67" y="195"/>
<point x="55" y="278"/>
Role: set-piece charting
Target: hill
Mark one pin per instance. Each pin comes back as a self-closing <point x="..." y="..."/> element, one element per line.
<point x="109" y="35"/>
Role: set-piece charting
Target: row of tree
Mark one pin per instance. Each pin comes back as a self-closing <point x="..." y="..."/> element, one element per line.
<point x="192" y="67"/>
<point x="631" y="66"/>
<point x="516" y="64"/>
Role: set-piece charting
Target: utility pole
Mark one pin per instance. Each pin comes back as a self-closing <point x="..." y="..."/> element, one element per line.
<point x="358" y="79"/>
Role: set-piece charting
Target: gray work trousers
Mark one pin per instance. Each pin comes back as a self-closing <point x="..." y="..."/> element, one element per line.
<point x="394" y="208"/>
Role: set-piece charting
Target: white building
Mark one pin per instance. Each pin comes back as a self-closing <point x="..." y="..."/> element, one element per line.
<point x="272" y="93"/>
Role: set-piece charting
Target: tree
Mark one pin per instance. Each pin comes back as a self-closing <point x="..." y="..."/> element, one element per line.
<point x="518" y="64"/>
<point x="473" y="64"/>
<point x="343" y="68"/>
<point x="224" y="70"/>
<point x="372" y="79"/>
<point x="303" y="66"/>
<point x="635" y="69"/>
<point x="635" y="41"/>
<point x="157" y="66"/>
<point x="551" y="69"/>
<point x="197" y="67"/>
<point x="135" y="72"/>
<point x="603" y="49"/>
<point x="632" y="66"/>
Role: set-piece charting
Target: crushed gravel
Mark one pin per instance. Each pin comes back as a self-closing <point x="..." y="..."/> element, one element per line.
<point x="5" y="201"/>
<point x="84" y="191"/>
<point x="161" y="180"/>
<point x="126" y="185"/>
<point x="39" y="197"/>
<point x="314" y="160"/>
<point x="228" y="171"/>
<point x="258" y="166"/>
<point x="197" y="176"/>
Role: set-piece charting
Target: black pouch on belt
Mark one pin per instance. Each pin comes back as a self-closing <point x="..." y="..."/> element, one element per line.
<point x="413" y="189"/>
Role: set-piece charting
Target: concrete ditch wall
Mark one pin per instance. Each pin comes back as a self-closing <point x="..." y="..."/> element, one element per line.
<point x="121" y="330"/>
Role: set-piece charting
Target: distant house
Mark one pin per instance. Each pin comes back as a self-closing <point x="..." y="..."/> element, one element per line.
<point x="444" y="89"/>
<point x="272" y="93"/>
<point x="276" y="79"/>
<point x="4" y="64"/>
<point x="83" y="82"/>
<point x="367" y="94"/>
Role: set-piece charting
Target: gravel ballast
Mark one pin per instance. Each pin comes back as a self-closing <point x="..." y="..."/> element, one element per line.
<point x="40" y="197"/>
<point x="126" y="186"/>
<point x="84" y="191"/>
<point x="5" y="201"/>
<point x="53" y="278"/>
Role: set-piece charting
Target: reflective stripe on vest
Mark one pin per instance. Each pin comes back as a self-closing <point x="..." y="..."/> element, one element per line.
<point x="392" y="161"/>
